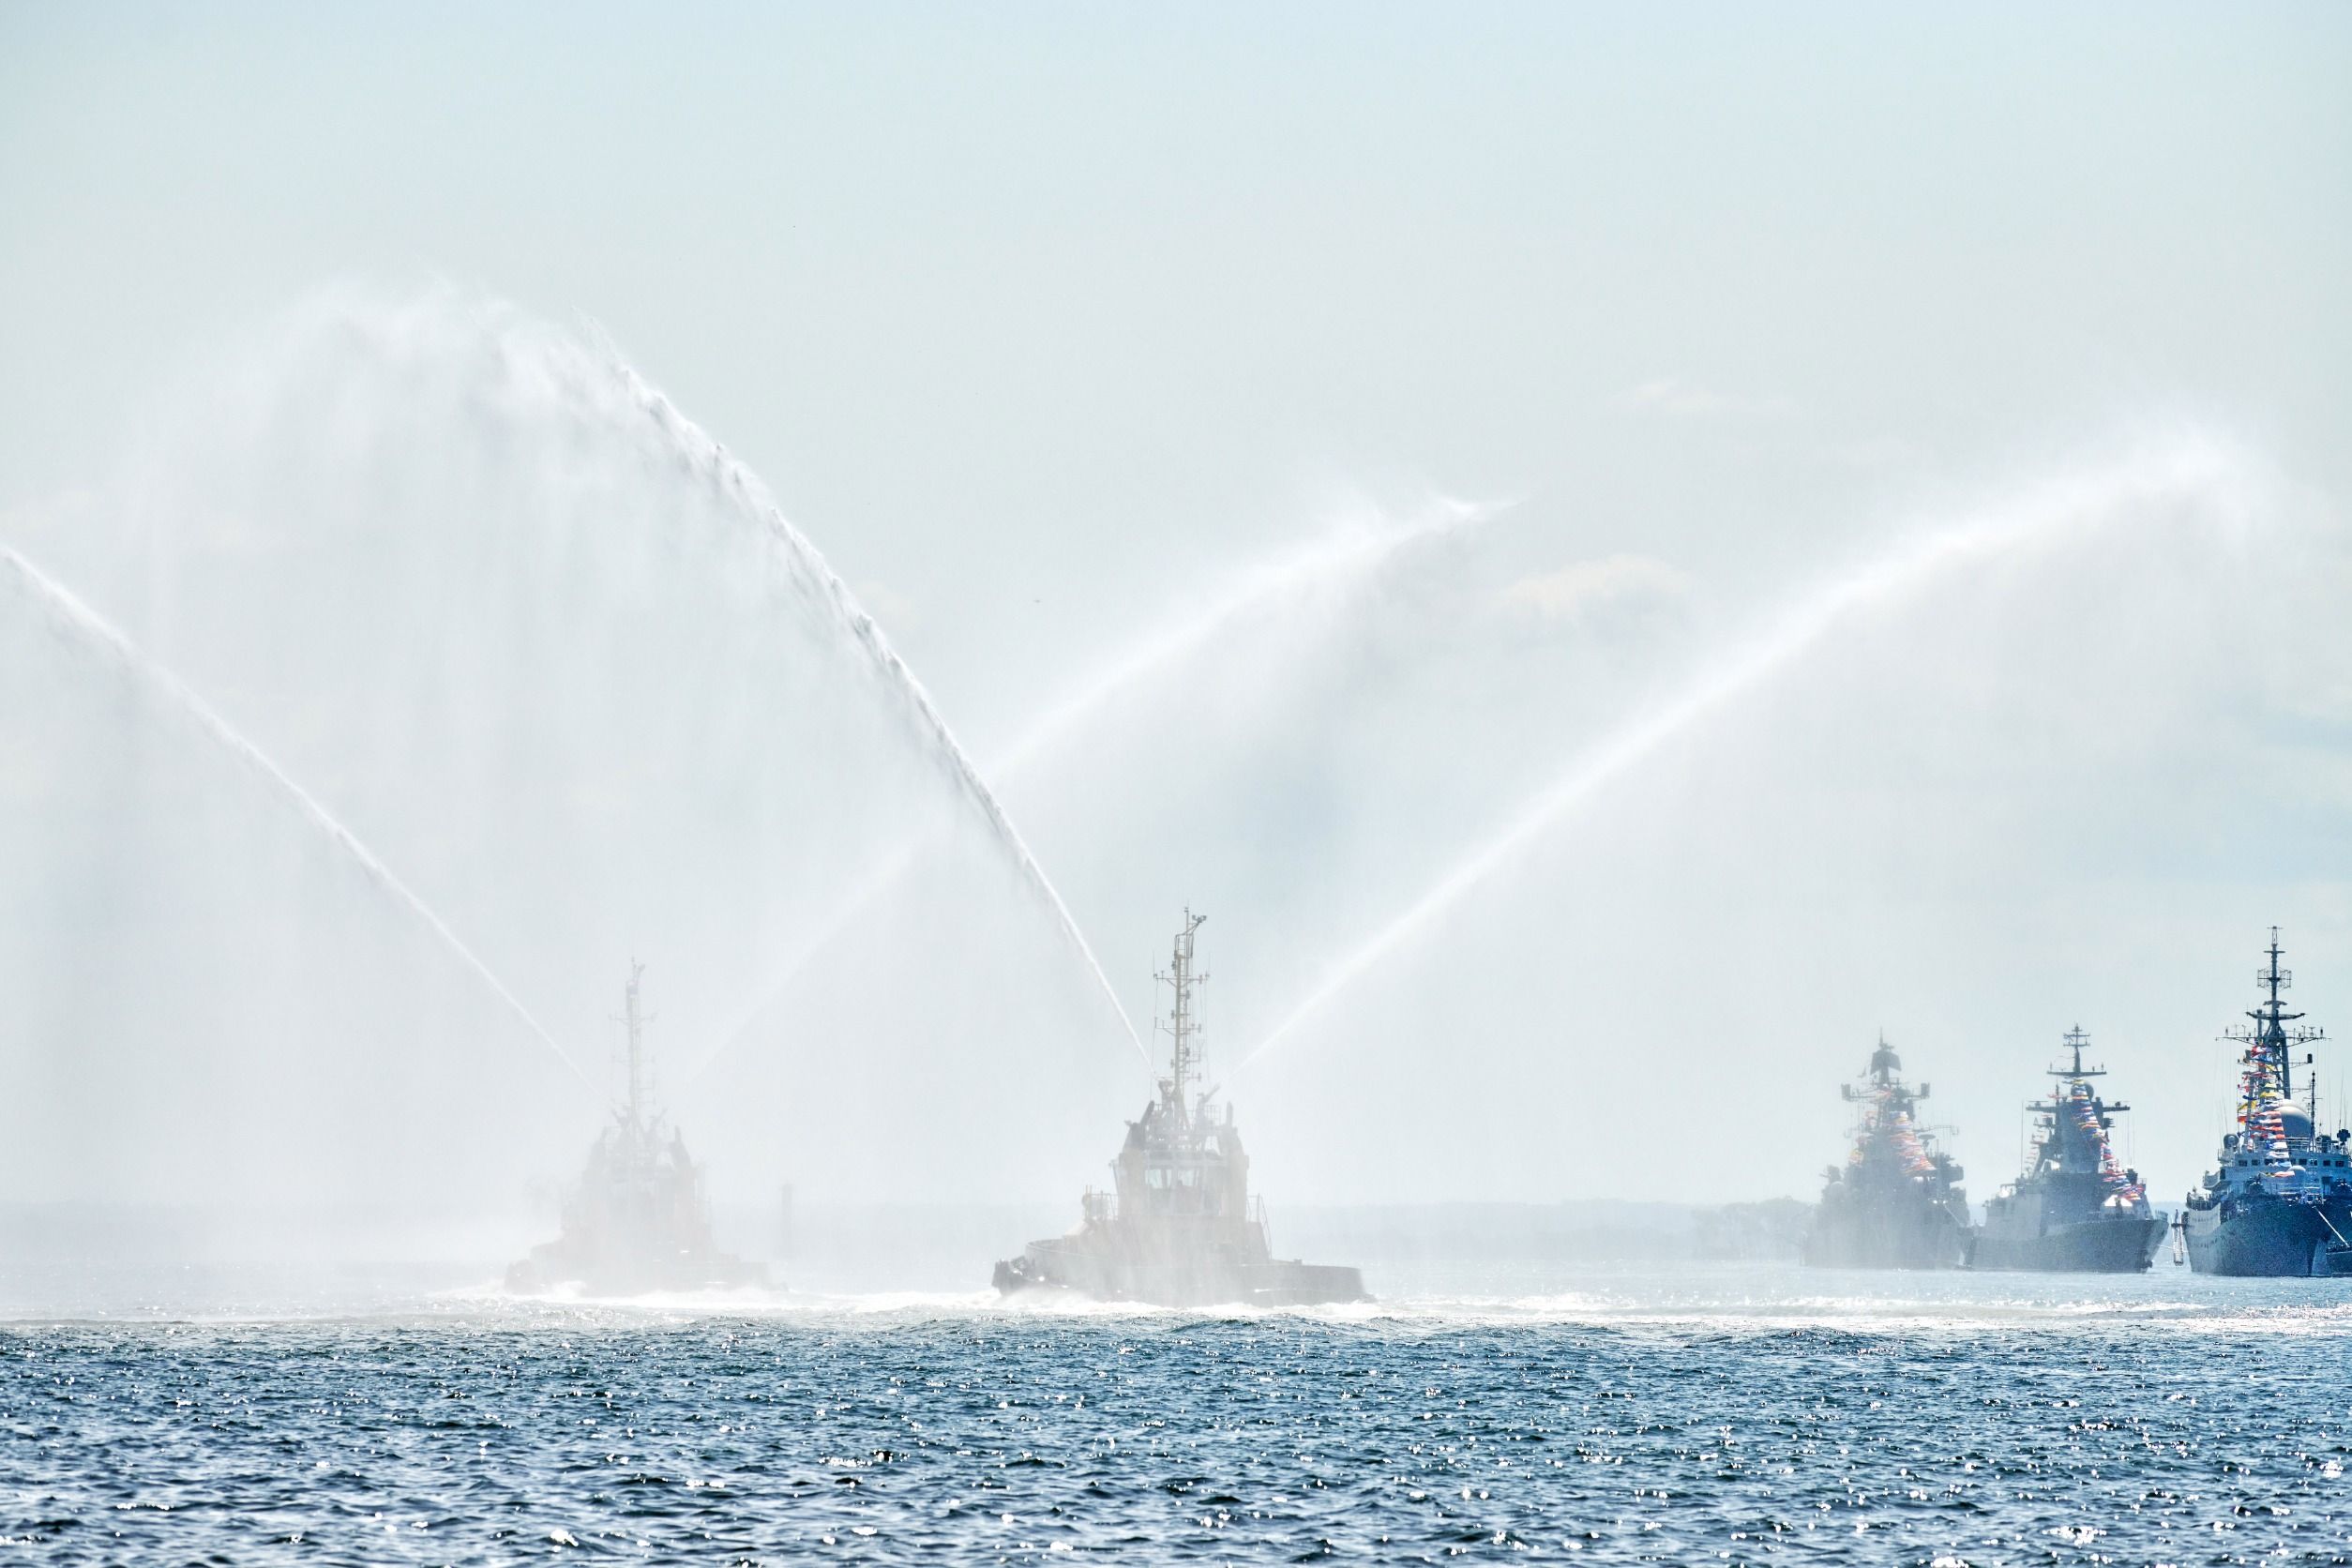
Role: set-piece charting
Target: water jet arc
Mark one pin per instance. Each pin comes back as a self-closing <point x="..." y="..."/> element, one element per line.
<point x="2196" y="465"/>
<point x="93" y="632"/>
<point x="704" y="457"/>
<point x="1355" y="551"/>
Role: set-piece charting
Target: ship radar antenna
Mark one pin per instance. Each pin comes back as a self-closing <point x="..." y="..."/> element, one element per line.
<point x="1884" y="1063"/>
<point x="1182" y="1027"/>
<point x="2076" y="1039"/>
<point x="2271" y="1043"/>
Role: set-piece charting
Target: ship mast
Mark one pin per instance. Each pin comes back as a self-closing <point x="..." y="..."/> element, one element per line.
<point x="2269" y="1040"/>
<point x="636" y="1021"/>
<point x="1180" y="1026"/>
<point x="2051" y="1143"/>
<point x="2077" y="1040"/>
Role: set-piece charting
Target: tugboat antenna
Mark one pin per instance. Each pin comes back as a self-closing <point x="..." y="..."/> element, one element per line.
<point x="637" y="1022"/>
<point x="639" y="1218"/>
<point x="1182" y="1028"/>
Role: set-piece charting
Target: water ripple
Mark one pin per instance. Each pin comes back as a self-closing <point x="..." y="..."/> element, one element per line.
<point x="1846" y="1429"/>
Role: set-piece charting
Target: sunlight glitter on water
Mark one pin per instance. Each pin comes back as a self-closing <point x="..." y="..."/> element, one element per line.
<point x="1603" y="1425"/>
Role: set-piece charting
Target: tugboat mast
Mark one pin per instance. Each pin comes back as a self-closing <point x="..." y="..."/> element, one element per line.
<point x="1181" y="1027"/>
<point x="2270" y="1041"/>
<point x="639" y="1218"/>
<point x="1178" y="1227"/>
<point x="636" y="1022"/>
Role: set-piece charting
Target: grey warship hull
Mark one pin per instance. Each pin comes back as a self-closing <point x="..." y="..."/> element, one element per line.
<point x="1896" y="1202"/>
<point x="2125" y="1245"/>
<point x="2273" y="1238"/>
<point x="2076" y="1209"/>
<point x="2278" y="1203"/>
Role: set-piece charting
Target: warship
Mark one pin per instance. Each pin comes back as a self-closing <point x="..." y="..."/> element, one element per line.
<point x="1179" y="1228"/>
<point x="2074" y="1209"/>
<point x="638" y="1220"/>
<point x="2280" y="1201"/>
<point x="1897" y="1203"/>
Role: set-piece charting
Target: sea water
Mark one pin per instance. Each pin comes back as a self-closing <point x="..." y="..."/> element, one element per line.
<point x="1712" y="1413"/>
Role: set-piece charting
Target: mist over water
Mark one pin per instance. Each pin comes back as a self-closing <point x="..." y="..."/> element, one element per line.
<point x="78" y="623"/>
<point x="2192" y="470"/>
<point x="1356" y="547"/>
<point x="503" y="616"/>
<point x="699" y="452"/>
<point x="1962" y="788"/>
<point x="485" y="604"/>
<point x="585" y="868"/>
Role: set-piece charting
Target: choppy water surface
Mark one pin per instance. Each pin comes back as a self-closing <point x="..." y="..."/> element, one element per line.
<point x="1703" y="1416"/>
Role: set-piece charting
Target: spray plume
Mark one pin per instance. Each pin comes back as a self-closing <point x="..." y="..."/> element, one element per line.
<point x="1344" y="552"/>
<point x="2193" y="466"/>
<point x="877" y="880"/>
<point x="704" y="458"/>
<point x="93" y="633"/>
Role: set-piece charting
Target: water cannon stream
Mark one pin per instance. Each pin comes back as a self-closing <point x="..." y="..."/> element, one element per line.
<point x="1342" y="553"/>
<point x="2189" y="467"/>
<point x="92" y="634"/>
<point x="688" y="444"/>
<point x="1350" y="551"/>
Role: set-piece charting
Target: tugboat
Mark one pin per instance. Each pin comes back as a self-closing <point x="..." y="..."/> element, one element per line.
<point x="1897" y="1203"/>
<point x="637" y="1221"/>
<point x="2074" y="1209"/>
<point x="1178" y="1228"/>
<point x="2280" y="1202"/>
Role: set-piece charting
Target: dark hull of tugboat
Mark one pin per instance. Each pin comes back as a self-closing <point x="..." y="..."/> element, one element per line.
<point x="2272" y="1237"/>
<point x="1914" y="1239"/>
<point x="2089" y="1246"/>
<point x="1059" y="1267"/>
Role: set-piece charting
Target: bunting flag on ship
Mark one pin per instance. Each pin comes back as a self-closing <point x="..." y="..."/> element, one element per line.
<point x="2266" y="1131"/>
<point x="2081" y="1108"/>
<point x="1907" y="1147"/>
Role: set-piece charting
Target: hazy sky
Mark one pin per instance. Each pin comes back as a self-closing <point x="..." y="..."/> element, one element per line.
<point x="1051" y="326"/>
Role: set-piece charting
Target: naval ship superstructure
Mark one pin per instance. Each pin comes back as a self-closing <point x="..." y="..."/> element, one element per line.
<point x="637" y="1221"/>
<point x="1179" y="1228"/>
<point x="2075" y="1208"/>
<point x="1897" y="1202"/>
<point x="2280" y="1202"/>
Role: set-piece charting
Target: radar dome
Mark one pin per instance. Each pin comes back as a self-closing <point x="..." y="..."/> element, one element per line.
<point x="2294" y="1120"/>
